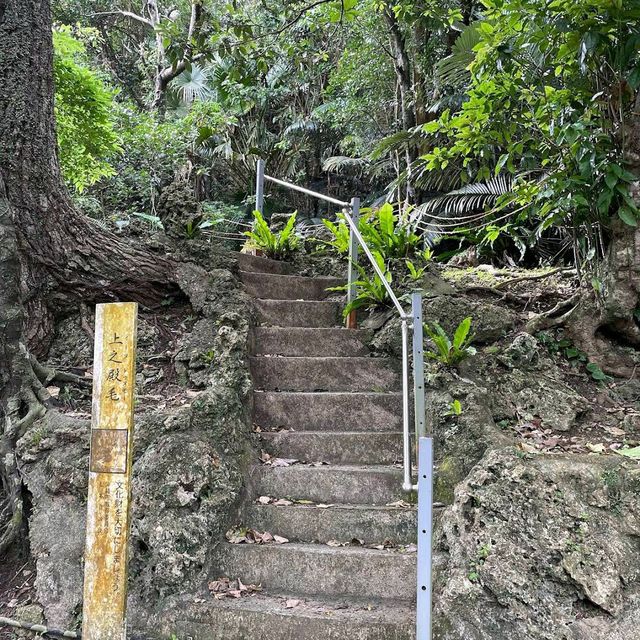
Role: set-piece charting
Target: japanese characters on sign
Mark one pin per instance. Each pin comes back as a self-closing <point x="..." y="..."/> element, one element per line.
<point x="104" y="608"/>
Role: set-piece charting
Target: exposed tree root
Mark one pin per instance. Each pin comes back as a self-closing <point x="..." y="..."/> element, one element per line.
<point x="23" y="409"/>
<point x="47" y="375"/>
<point x="538" y="276"/>
<point x="555" y="317"/>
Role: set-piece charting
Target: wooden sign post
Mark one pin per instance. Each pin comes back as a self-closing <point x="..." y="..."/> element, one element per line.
<point x="105" y="561"/>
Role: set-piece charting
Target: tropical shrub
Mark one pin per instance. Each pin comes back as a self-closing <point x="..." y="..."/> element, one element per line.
<point x="551" y="101"/>
<point x="278" y="246"/>
<point x="384" y="233"/>
<point x="380" y="229"/>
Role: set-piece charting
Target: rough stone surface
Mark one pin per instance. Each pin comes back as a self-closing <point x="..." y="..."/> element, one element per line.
<point x="543" y="548"/>
<point x="310" y="523"/>
<point x="188" y="463"/>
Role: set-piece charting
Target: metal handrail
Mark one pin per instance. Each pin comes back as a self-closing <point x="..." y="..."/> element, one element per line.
<point x="424" y="440"/>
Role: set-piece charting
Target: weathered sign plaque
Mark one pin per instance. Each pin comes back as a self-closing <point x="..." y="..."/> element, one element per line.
<point x="105" y="568"/>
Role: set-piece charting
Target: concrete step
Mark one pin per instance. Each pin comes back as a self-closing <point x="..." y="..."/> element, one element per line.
<point x="342" y="522"/>
<point x="346" y="484"/>
<point x="321" y="570"/>
<point x="266" y="617"/>
<point x="283" y="287"/>
<point x="328" y="411"/>
<point x="259" y="264"/>
<point x="324" y="374"/>
<point x="336" y="447"/>
<point x="296" y="341"/>
<point x="299" y="313"/>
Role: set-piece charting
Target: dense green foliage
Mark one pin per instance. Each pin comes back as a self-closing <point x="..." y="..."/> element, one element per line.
<point x="504" y="123"/>
<point x="84" y="113"/>
<point x="552" y="85"/>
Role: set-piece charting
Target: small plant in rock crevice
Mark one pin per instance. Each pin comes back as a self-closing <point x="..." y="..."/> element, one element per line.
<point x="455" y="408"/>
<point x="478" y="562"/>
<point x="450" y="351"/>
<point x="277" y="246"/>
<point x="567" y="349"/>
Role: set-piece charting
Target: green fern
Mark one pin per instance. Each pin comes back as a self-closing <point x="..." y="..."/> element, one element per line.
<point x="450" y="351"/>
<point x="371" y="291"/>
<point x="274" y="245"/>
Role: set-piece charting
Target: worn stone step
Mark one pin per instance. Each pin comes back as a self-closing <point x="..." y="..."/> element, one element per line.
<point x="335" y="411"/>
<point x="324" y="374"/>
<point x="259" y="264"/>
<point x="309" y="569"/>
<point x="285" y="287"/>
<point x="347" y="484"/>
<point x="336" y="447"/>
<point x="342" y="522"/>
<point x="266" y="617"/>
<point x="299" y="313"/>
<point x="296" y="341"/>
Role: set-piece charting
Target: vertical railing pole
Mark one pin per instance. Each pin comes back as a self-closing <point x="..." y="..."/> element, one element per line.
<point x="352" y="269"/>
<point x="425" y="538"/>
<point x="407" y="484"/>
<point x="260" y="186"/>
<point x="418" y="365"/>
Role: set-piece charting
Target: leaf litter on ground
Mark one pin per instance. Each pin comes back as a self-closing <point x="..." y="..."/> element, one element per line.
<point x="226" y="588"/>
<point x="246" y="535"/>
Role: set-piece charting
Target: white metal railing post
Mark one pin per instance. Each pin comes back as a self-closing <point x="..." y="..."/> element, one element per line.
<point x="424" y="608"/>
<point x="418" y="365"/>
<point x="260" y="186"/>
<point x="352" y="267"/>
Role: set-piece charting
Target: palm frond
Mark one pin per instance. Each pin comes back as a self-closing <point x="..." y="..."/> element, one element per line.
<point x="454" y="69"/>
<point x="463" y="207"/>
<point x="397" y="141"/>
<point x="338" y="164"/>
<point x="301" y="127"/>
<point x="192" y="85"/>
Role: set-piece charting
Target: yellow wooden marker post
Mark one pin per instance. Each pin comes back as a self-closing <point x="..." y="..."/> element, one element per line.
<point x="105" y="561"/>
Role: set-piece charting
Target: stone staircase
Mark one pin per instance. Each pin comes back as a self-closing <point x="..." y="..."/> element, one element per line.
<point x="319" y="398"/>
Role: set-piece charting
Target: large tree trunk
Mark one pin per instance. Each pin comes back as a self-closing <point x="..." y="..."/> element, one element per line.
<point x="50" y="256"/>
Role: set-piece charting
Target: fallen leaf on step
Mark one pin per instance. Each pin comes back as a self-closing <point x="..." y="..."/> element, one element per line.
<point x="292" y="603"/>
<point x="265" y="500"/>
<point x="335" y="543"/>
<point x="283" y="462"/>
<point x="54" y="392"/>
<point x="280" y="540"/>
<point x="595" y="448"/>
<point x="226" y="588"/>
<point x="399" y="504"/>
<point x="282" y="502"/>
<point x="325" y="506"/>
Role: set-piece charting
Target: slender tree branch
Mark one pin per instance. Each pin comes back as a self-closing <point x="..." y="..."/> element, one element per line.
<point x="126" y="14"/>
